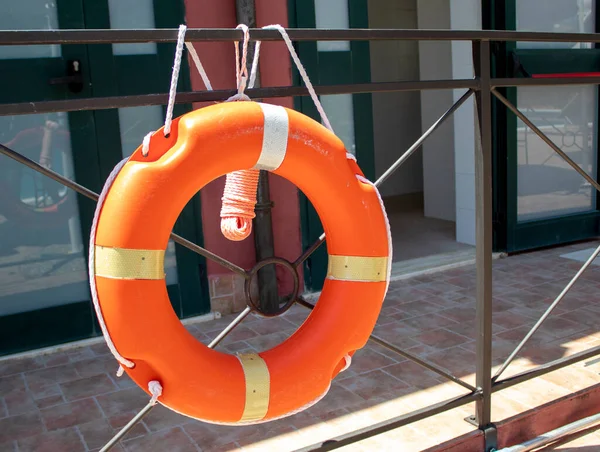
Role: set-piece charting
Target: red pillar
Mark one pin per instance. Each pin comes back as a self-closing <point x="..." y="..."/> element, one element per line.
<point x="218" y="61"/>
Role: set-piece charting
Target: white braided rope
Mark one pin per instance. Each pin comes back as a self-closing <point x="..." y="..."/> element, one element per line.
<point x="327" y="124"/>
<point x="92" y="268"/>
<point x="241" y="71"/>
<point x="254" y="69"/>
<point x="174" y="79"/>
<point x="199" y="66"/>
<point x="387" y="227"/>
<point x="302" y="71"/>
<point x="155" y="389"/>
<point x="172" y="89"/>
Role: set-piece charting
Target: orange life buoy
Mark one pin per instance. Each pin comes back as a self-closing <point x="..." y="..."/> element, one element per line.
<point x="133" y="227"/>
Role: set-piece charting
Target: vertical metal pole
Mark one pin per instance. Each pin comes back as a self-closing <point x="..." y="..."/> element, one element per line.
<point x="265" y="248"/>
<point x="263" y="225"/>
<point x="483" y="215"/>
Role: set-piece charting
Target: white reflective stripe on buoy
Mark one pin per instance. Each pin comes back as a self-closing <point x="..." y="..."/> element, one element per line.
<point x="275" y="137"/>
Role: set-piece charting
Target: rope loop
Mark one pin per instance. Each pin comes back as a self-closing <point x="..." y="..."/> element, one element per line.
<point x="239" y="195"/>
<point x="241" y="69"/>
<point x="124" y="362"/>
<point x="155" y="389"/>
<point x="198" y="64"/>
<point x="172" y="89"/>
<point x="302" y="71"/>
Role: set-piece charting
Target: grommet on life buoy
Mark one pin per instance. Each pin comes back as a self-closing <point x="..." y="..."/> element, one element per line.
<point x="132" y="232"/>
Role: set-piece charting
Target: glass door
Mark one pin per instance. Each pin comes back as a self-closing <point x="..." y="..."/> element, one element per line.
<point x="331" y="63"/>
<point x="44" y="227"/>
<point x="547" y="201"/>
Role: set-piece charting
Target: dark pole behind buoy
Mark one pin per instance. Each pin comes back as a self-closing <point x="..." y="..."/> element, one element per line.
<point x="263" y="226"/>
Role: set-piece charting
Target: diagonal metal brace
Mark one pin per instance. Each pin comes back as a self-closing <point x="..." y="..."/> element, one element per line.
<point x="397" y="164"/>
<point x="545" y="138"/>
<point x="94" y="196"/>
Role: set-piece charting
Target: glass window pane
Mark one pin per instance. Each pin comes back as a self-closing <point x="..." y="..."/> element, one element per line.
<point x="560" y="16"/>
<point x="135" y="123"/>
<point x="340" y="111"/>
<point x="29" y="15"/>
<point x="132" y="14"/>
<point x="332" y="14"/>
<point x="41" y="251"/>
<point x="547" y="185"/>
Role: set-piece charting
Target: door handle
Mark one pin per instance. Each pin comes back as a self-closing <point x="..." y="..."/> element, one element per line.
<point x="68" y="79"/>
<point x="73" y="79"/>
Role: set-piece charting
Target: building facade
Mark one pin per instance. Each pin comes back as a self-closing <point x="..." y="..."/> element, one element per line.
<point x="538" y="199"/>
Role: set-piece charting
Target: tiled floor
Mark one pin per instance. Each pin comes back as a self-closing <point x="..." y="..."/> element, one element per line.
<point x="72" y="401"/>
<point x="416" y="236"/>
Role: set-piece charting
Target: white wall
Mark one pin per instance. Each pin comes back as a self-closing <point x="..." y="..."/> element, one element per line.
<point x="435" y="59"/>
<point x="464" y="15"/>
<point x="448" y="156"/>
<point x="396" y="116"/>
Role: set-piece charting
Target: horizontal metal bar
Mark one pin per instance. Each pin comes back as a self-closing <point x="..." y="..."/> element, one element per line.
<point x="551" y="81"/>
<point x="101" y="103"/>
<point x="545" y="368"/>
<point x="390" y="424"/>
<point x="94" y="196"/>
<point x="104" y="36"/>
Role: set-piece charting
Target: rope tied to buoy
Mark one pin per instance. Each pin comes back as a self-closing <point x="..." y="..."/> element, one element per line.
<point x="239" y="195"/>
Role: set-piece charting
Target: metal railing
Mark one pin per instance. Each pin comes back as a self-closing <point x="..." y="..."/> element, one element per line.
<point x="483" y="86"/>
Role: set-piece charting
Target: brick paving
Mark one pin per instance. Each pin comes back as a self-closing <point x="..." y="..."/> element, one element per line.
<point x="72" y="401"/>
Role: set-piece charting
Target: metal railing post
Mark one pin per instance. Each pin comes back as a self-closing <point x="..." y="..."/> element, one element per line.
<point x="483" y="228"/>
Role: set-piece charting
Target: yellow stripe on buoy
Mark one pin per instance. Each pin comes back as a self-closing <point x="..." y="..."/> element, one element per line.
<point x="258" y="387"/>
<point x="123" y="263"/>
<point x="358" y="268"/>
